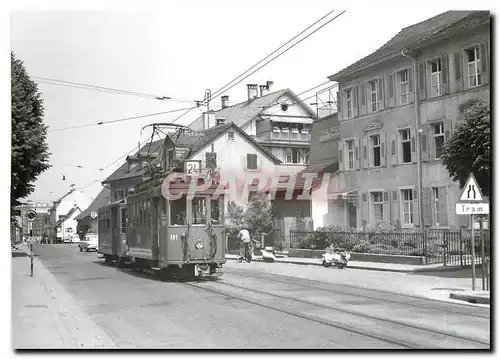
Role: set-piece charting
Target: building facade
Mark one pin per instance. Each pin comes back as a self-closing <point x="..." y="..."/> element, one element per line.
<point x="279" y="121"/>
<point x="397" y="108"/>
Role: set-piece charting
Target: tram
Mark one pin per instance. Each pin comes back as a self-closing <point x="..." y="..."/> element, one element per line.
<point x="112" y="232"/>
<point x="181" y="236"/>
<point x="184" y="237"/>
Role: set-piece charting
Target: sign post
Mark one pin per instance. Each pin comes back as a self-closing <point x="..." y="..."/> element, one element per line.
<point x="472" y="202"/>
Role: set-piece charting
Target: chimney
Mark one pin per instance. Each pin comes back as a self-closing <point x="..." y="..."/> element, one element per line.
<point x="221" y="121"/>
<point x="208" y="120"/>
<point x="252" y="91"/>
<point x="225" y="101"/>
<point x="265" y="89"/>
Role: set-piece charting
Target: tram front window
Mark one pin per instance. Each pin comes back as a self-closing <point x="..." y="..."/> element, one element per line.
<point x="178" y="212"/>
<point x="215" y="208"/>
<point x="199" y="209"/>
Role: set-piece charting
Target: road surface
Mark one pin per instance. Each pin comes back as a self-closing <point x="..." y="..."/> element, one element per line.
<point x="249" y="307"/>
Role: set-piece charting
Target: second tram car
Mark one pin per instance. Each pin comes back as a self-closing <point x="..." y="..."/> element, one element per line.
<point x="184" y="237"/>
<point x="112" y="231"/>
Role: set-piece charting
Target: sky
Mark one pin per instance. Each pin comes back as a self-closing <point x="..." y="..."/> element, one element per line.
<point x="178" y="49"/>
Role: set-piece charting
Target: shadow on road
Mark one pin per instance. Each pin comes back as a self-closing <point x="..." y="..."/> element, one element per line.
<point x="452" y="273"/>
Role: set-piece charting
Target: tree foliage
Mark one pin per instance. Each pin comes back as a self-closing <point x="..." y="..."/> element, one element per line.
<point x="469" y="148"/>
<point x="258" y="217"/>
<point x="29" y="156"/>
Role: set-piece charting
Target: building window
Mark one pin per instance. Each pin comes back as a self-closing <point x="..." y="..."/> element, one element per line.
<point x="438" y="130"/>
<point x="348" y="102"/>
<point x="350" y="154"/>
<point x="374" y="95"/>
<point x="403" y="78"/>
<point x="375" y="142"/>
<point x="474" y="70"/>
<point x="436" y="81"/>
<point x="230" y="135"/>
<point x="199" y="210"/>
<point x="406" y="145"/>
<point x="378" y="206"/>
<point x="295" y="156"/>
<point x="435" y="204"/>
<point x="407" y="205"/>
<point x="251" y="161"/>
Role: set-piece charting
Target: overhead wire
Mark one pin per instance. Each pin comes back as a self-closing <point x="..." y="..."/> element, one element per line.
<point x="119" y="120"/>
<point x="105" y="89"/>
<point x="279" y="48"/>
<point x="289" y="48"/>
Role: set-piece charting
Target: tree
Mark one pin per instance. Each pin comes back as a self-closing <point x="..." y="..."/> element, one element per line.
<point x="259" y="215"/>
<point x="29" y="157"/>
<point x="469" y="148"/>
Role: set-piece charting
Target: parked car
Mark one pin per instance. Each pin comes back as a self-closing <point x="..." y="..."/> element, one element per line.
<point x="89" y="242"/>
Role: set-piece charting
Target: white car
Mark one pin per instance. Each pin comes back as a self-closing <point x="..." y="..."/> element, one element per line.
<point x="90" y="242"/>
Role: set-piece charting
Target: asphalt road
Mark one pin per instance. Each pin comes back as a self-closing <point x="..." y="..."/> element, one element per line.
<point x="249" y="308"/>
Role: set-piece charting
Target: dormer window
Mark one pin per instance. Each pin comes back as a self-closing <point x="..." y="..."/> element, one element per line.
<point x="230" y="135"/>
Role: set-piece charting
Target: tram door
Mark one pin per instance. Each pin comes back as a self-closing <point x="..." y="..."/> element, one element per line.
<point x="115" y="233"/>
<point x="155" y="225"/>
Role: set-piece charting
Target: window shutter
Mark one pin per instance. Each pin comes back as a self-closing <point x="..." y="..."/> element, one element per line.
<point x="447" y="129"/>
<point x="365" y="197"/>
<point x="339" y="104"/>
<point x="410" y="79"/>
<point x="443" y="206"/>
<point x="341" y="154"/>
<point x="421" y="73"/>
<point x="365" y="152"/>
<point x="427" y="193"/>
<point x="444" y="71"/>
<point x="362" y="99"/>
<point x="457" y="64"/>
<point x="380" y="93"/>
<point x="386" y="207"/>
<point x="383" y="154"/>
<point x="424" y="138"/>
<point x="393" y="150"/>
<point x="355" y="101"/>
<point x="356" y="154"/>
<point x="412" y="145"/>
<point x="485" y="78"/>
<point x="390" y="85"/>
<point x="416" y="208"/>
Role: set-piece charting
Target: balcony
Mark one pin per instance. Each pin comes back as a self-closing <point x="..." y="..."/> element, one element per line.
<point x="290" y="136"/>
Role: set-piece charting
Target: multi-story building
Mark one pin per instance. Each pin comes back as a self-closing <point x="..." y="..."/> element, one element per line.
<point x="40" y="226"/>
<point x="87" y="220"/>
<point x="398" y="106"/>
<point x="63" y="212"/>
<point x="279" y="121"/>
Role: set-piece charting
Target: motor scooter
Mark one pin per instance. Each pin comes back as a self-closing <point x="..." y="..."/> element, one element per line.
<point x="336" y="257"/>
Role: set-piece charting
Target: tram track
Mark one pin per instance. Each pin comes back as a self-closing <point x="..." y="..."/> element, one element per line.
<point x="420" y="301"/>
<point x="351" y="321"/>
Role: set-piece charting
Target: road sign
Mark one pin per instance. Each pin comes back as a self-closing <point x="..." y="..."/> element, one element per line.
<point x="473" y="208"/>
<point x="93" y="215"/>
<point x="471" y="191"/>
<point x="31" y="215"/>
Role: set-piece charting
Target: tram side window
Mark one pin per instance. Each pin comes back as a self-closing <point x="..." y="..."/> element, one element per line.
<point x="199" y="210"/>
<point x="139" y="214"/>
<point x="145" y="214"/>
<point x="215" y="208"/>
<point x="124" y="220"/>
<point x="178" y="210"/>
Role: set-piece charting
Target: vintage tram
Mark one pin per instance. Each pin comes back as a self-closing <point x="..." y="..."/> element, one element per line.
<point x="112" y="232"/>
<point x="182" y="236"/>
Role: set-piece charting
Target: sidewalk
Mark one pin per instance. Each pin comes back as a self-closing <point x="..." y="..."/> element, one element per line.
<point x="45" y="316"/>
<point x="387" y="267"/>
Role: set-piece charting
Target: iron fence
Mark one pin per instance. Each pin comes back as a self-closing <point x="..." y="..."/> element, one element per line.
<point x="450" y="247"/>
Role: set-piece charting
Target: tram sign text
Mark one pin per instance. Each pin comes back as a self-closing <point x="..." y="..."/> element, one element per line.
<point x="473" y="208"/>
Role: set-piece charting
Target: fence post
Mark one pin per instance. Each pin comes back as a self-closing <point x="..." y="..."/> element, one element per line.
<point x="461" y="248"/>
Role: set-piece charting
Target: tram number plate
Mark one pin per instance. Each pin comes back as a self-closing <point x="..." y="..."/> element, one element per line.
<point x="175" y="237"/>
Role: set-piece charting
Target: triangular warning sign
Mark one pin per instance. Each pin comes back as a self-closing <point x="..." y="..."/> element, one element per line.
<point x="471" y="191"/>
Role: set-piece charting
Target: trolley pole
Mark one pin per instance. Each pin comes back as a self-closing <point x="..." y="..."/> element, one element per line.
<point x="473" y="254"/>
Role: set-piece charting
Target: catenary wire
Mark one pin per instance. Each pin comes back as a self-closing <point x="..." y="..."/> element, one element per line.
<point x="279" y="48"/>
<point x="105" y="89"/>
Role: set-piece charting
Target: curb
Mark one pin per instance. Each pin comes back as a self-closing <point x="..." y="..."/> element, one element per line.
<point x="471" y="298"/>
<point x="414" y="270"/>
